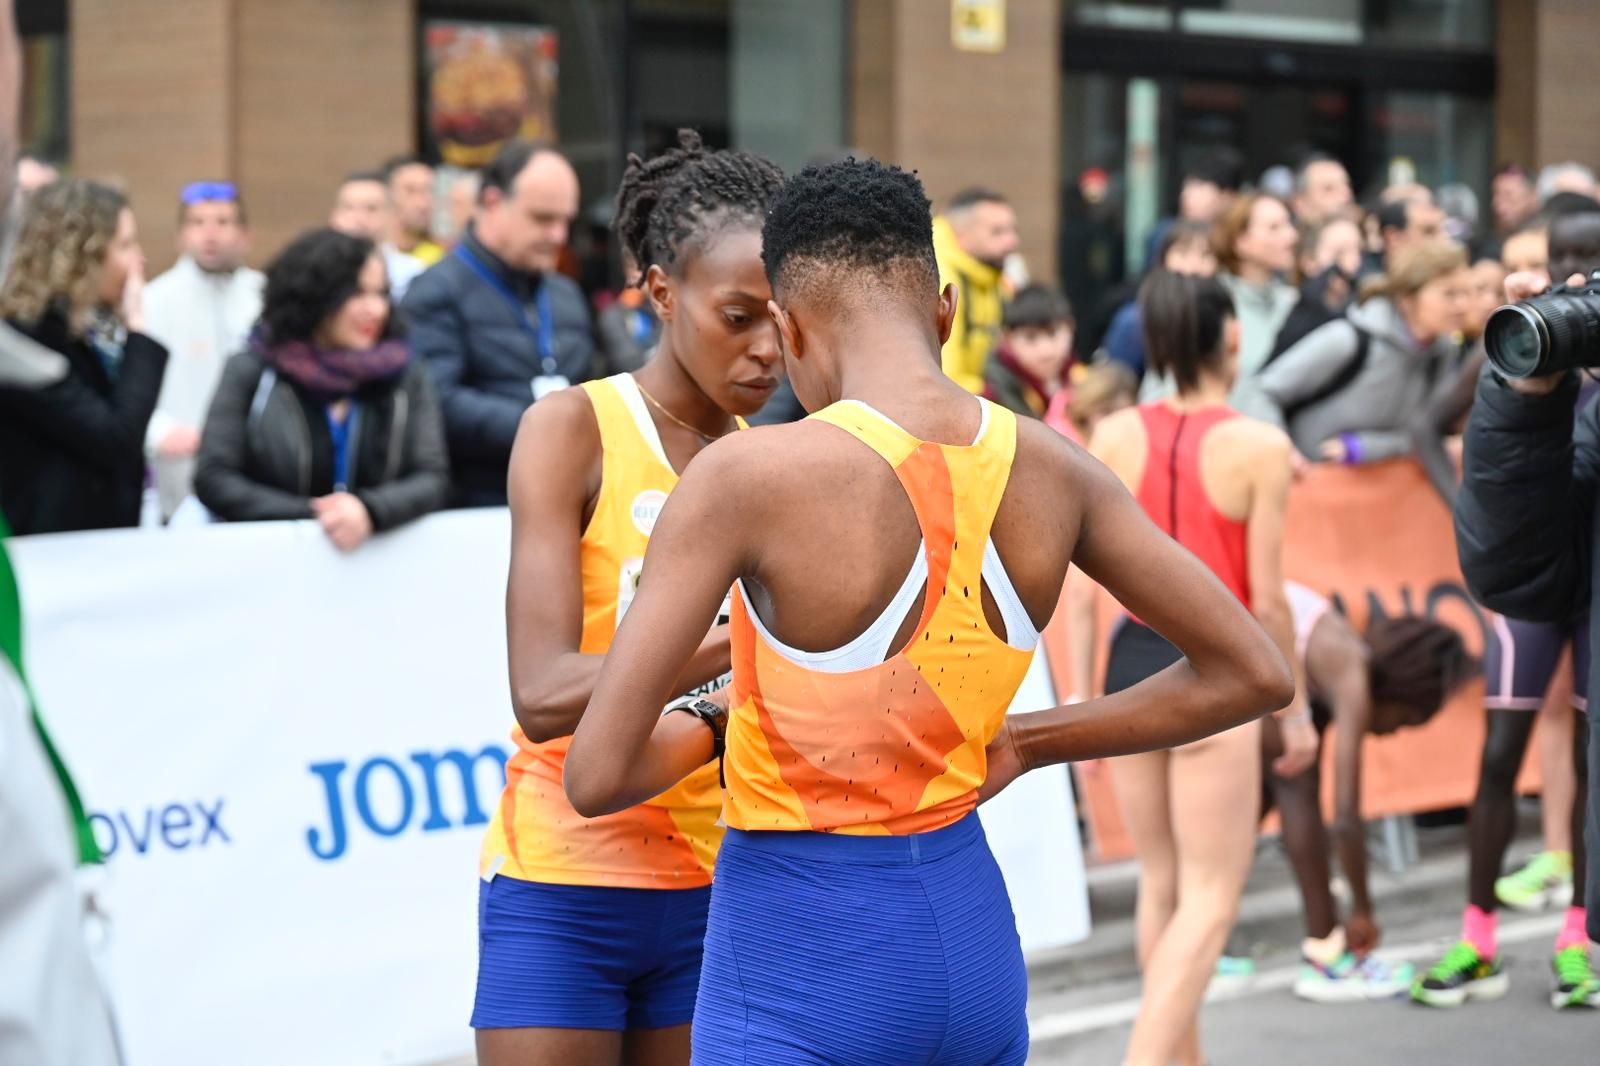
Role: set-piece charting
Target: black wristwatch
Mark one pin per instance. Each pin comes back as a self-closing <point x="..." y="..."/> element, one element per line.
<point x="713" y="716"/>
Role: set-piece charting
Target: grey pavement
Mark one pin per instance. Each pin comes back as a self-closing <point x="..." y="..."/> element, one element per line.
<point x="1083" y="999"/>
<point x="1274" y="1027"/>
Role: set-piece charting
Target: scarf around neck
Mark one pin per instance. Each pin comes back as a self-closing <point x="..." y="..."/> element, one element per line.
<point x="331" y="373"/>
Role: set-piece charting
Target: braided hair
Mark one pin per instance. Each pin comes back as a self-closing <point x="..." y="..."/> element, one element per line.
<point x="1416" y="662"/>
<point x="670" y="204"/>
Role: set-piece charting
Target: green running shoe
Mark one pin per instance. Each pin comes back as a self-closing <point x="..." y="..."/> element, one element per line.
<point x="1576" y="983"/>
<point x="1546" y="881"/>
<point x="1461" y="975"/>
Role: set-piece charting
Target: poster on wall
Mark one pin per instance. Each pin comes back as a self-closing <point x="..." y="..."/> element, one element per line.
<point x="485" y="83"/>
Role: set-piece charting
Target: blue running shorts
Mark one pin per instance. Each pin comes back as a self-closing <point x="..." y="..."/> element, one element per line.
<point x="1519" y="663"/>
<point x="844" y="950"/>
<point x="583" y="957"/>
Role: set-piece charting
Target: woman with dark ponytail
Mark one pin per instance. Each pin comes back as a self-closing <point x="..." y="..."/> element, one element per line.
<point x="1218" y="483"/>
<point x="590" y="930"/>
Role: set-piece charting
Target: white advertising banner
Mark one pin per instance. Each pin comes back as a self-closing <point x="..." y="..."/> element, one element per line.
<point x="290" y="755"/>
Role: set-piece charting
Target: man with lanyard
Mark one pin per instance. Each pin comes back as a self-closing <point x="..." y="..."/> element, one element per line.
<point x="499" y="326"/>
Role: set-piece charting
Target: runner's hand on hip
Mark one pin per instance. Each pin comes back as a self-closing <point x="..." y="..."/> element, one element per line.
<point x="1004" y="762"/>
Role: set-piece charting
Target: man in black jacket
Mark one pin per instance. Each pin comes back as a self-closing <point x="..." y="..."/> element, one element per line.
<point x="1525" y="531"/>
<point x="498" y="325"/>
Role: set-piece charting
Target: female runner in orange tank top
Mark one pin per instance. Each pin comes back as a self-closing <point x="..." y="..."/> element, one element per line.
<point x="1218" y="483"/>
<point x="858" y="917"/>
<point x="590" y="931"/>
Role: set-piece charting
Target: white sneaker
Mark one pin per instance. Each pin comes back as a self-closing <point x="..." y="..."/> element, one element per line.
<point x="1352" y="980"/>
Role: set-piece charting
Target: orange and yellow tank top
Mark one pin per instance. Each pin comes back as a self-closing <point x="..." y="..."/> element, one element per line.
<point x="535" y="835"/>
<point x="896" y="747"/>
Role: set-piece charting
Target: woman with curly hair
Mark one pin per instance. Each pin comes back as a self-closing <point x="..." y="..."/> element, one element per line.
<point x="326" y="415"/>
<point x="72" y="454"/>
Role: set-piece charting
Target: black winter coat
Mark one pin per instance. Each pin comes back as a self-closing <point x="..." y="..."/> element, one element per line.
<point x="267" y="449"/>
<point x="72" y="453"/>
<point x="484" y="359"/>
<point x="1525" y="531"/>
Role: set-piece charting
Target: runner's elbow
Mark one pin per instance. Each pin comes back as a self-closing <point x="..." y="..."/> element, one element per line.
<point x="1268" y="679"/>
<point x="587" y="790"/>
<point x="542" y="716"/>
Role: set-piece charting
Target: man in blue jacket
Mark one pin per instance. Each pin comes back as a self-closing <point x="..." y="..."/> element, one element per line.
<point x="499" y="326"/>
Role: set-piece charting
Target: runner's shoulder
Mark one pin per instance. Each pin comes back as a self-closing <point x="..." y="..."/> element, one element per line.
<point x="557" y="437"/>
<point x="560" y="417"/>
<point x="769" y="464"/>
<point x="1118" y="432"/>
<point x="1119" y="423"/>
<point x="1253" y="436"/>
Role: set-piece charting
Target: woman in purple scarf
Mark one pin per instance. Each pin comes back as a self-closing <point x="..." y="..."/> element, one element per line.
<point x="326" y="415"/>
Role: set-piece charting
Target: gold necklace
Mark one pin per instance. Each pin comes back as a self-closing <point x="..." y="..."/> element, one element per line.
<point x="680" y="422"/>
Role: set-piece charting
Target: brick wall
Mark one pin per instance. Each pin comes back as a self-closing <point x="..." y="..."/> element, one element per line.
<point x="150" y="102"/>
<point x="324" y="87"/>
<point x="965" y="118"/>
<point x="1544" y="104"/>
<point x="1563" y="114"/>
<point x="282" y="96"/>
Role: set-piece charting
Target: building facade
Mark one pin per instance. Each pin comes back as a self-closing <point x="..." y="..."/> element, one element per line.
<point x="1083" y="112"/>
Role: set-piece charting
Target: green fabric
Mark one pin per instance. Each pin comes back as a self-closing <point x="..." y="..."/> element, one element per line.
<point x="11" y="648"/>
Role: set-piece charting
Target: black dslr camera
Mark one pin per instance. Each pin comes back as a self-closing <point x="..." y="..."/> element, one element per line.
<point x="1547" y="334"/>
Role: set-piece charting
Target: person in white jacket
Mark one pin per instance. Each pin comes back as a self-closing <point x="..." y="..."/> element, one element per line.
<point x="201" y="310"/>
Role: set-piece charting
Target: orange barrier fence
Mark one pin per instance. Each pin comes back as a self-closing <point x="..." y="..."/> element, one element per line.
<point x="1375" y="538"/>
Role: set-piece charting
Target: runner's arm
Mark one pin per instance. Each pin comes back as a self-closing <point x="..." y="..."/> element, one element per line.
<point x="1231" y="672"/>
<point x="1268" y="600"/>
<point x="1352" y="711"/>
<point x="625" y="750"/>
<point x="552" y="477"/>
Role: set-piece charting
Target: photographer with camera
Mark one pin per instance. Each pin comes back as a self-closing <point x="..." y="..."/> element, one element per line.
<point x="1525" y="531"/>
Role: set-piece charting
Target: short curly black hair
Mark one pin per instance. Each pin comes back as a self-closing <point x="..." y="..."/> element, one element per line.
<point x="670" y="204"/>
<point x="857" y="215"/>
<point x="311" y="279"/>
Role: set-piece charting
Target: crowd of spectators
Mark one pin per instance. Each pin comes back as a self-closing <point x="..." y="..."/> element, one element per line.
<point x="380" y="366"/>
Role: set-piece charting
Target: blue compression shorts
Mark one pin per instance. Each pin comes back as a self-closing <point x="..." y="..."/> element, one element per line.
<point x="582" y="957"/>
<point x="839" y="950"/>
<point x="1522" y="659"/>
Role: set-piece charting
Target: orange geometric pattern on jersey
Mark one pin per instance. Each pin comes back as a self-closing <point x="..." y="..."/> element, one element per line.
<point x="897" y="747"/>
<point x="670" y="841"/>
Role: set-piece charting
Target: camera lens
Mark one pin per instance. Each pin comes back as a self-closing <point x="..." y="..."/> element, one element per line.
<point x="1516" y="340"/>
<point x="1547" y="334"/>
